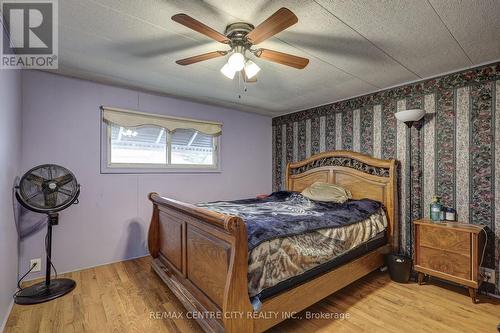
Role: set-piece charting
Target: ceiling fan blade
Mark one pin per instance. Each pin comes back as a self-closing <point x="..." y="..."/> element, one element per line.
<point x="279" y="21"/>
<point x="246" y="79"/>
<point x="282" y="58"/>
<point x="196" y="25"/>
<point x="201" y="57"/>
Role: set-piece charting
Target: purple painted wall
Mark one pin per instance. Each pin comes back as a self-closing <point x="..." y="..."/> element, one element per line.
<point x="61" y="124"/>
<point x="10" y="159"/>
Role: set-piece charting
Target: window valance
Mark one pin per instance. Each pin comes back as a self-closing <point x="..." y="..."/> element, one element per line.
<point x="128" y="118"/>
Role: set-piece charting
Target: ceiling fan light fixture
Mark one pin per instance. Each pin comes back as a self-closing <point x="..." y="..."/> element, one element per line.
<point x="251" y="69"/>
<point x="236" y="61"/>
<point x="241" y="37"/>
<point x="228" y="71"/>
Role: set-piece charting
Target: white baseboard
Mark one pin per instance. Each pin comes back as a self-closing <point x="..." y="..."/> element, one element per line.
<point x="86" y="267"/>
<point x="9" y="310"/>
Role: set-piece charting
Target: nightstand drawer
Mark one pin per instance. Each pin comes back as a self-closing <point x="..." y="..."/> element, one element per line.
<point x="445" y="238"/>
<point x="445" y="262"/>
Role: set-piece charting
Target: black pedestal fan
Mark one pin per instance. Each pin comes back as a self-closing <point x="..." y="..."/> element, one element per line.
<point x="48" y="189"/>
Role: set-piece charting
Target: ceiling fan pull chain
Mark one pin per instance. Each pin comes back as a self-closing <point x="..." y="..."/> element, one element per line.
<point x="239" y="85"/>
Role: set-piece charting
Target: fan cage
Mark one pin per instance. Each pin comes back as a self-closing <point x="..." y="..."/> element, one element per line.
<point x="48" y="188"/>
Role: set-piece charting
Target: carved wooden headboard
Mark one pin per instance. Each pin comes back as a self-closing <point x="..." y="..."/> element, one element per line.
<point x="363" y="175"/>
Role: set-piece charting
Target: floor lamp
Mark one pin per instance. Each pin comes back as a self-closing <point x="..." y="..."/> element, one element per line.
<point x="410" y="118"/>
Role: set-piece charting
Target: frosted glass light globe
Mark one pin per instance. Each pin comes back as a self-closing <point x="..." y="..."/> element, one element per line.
<point x="236" y="61"/>
<point x="227" y="71"/>
<point x="410" y="115"/>
<point x="251" y="69"/>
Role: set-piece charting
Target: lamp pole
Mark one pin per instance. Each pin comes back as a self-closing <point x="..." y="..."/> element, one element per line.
<point x="417" y="125"/>
<point x="411" y="119"/>
<point x="409" y="174"/>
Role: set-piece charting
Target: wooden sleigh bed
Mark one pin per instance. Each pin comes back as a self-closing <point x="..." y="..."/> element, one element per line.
<point x="202" y="256"/>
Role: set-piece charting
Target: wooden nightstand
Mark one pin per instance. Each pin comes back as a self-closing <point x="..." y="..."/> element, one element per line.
<point x="451" y="251"/>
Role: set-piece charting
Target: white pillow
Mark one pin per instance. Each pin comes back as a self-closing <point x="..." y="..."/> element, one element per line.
<point x="320" y="191"/>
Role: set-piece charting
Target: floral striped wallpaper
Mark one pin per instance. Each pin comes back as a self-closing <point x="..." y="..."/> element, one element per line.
<point x="454" y="153"/>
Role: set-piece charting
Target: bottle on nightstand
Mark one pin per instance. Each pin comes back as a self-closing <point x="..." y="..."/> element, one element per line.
<point x="436" y="209"/>
<point x="450" y="214"/>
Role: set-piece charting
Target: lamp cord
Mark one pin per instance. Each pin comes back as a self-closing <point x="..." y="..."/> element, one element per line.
<point x="484" y="251"/>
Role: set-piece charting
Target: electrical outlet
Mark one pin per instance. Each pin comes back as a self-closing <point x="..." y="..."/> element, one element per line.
<point x="488" y="275"/>
<point x="38" y="264"/>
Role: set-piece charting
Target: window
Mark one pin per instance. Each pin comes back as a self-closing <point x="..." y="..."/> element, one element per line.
<point x="142" y="145"/>
<point x="190" y="147"/>
<point x="139" y="142"/>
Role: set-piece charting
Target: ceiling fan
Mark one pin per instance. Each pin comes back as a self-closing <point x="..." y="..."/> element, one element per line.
<point x="241" y="37"/>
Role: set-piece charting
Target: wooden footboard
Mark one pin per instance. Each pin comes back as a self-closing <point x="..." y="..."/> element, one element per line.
<point x="203" y="258"/>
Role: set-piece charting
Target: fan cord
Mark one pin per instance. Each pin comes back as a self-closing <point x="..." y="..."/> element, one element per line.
<point x="22" y="278"/>
<point x="47" y="254"/>
<point x="34" y="265"/>
<point x="16" y="294"/>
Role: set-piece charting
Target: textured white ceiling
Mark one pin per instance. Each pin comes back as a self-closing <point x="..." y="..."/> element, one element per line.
<point x="354" y="46"/>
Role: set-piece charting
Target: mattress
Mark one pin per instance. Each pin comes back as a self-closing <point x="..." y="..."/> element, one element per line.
<point x="281" y="259"/>
<point x="289" y="234"/>
<point x="374" y="243"/>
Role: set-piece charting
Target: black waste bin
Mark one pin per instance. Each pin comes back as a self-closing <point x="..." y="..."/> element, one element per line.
<point x="399" y="267"/>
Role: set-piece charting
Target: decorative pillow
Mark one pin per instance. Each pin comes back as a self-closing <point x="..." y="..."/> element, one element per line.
<point x="320" y="191"/>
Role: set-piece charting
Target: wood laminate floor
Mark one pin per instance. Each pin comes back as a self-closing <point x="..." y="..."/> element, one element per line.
<point x="120" y="298"/>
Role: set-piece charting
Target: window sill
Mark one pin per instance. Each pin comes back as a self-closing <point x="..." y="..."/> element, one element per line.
<point x="158" y="171"/>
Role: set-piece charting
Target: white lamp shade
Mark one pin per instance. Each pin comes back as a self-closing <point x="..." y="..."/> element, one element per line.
<point x="236" y="61"/>
<point x="251" y="69"/>
<point x="228" y="71"/>
<point x="410" y="115"/>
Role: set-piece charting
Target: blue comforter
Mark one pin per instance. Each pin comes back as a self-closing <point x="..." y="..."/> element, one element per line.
<point x="285" y="214"/>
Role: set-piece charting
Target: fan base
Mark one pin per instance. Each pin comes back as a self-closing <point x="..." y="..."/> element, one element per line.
<point x="39" y="293"/>
<point x="236" y="31"/>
